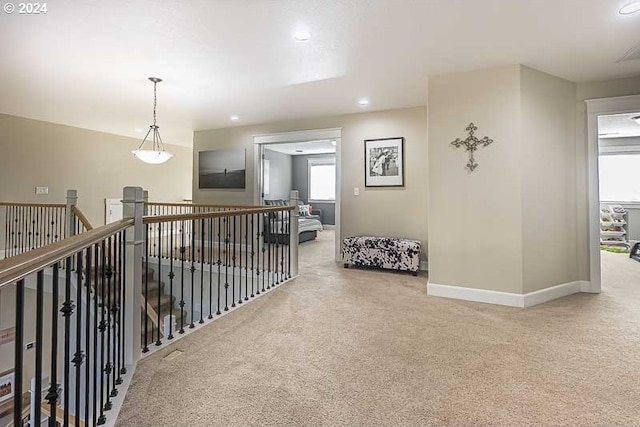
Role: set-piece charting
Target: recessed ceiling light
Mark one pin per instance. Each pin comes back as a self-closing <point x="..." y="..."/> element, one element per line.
<point x="636" y="119"/>
<point x="302" y="35"/>
<point x="235" y="118"/>
<point x="137" y="130"/>
<point x="363" y="102"/>
<point x="630" y="8"/>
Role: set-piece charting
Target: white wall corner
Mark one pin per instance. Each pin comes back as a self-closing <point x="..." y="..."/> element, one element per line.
<point x="507" y="298"/>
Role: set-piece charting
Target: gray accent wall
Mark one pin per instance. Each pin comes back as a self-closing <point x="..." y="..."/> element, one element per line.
<point x="300" y="182"/>
<point x="280" y="167"/>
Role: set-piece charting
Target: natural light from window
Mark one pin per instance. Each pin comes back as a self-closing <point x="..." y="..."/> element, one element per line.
<point x="322" y="182"/>
<point x="619" y="178"/>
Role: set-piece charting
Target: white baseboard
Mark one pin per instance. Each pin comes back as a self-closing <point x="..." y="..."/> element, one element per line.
<point x="506" y="298"/>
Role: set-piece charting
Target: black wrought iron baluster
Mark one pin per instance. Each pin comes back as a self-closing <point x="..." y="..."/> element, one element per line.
<point x="202" y="251"/>
<point x="246" y="258"/>
<point x="106" y="308"/>
<point x="263" y="249"/>
<point x="268" y="243"/>
<point x="113" y="308"/>
<point x="253" y="253"/>
<point x="171" y="276"/>
<point x="290" y="217"/>
<point x="233" y="270"/>
<point x="29" y="228"/>
<point x="67" y="311"/>
<point x="158" y="340"/>
<point x="145" y="348"/>
<point x="53" y="392"/>
<point x="123" y="305"/>
<point x="283" y="233"/>
<point x="219" y="263"/>
<point x="117" y="352"/>
<point x="193" y="271"/>
<point x="211" y="232"/>
<point x="97" y="275"/>
<point x="87" y="334"/>
<point x="37" y="410"/>
<point x="39" y="226"/>
<point x="226" y="264"/>
<point x="182" y="253"/>
<point x="277" y="221"/>
<point x="239" y="237"/>
<point x="101" y="328"/>
<point x="78" y="357"/>
<point x="18" y="354"/>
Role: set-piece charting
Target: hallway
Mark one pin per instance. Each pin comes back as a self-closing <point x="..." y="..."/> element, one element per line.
<point x="349" y="347"/>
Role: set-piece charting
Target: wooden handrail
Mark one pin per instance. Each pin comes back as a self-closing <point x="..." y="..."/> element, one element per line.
<point x="154" y="219"/>
<point x="199" y="205"/>
<point x="83" y="219"/>
<point x="19" y="266"/>
<point x="36" y="205"/>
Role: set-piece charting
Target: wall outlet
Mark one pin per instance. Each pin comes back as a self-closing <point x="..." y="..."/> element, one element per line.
<point x="356" y="191"/>
<point x="42" y="190"/>
<point x="29" y="345"/>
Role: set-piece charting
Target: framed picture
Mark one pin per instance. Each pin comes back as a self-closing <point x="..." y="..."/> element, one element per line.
<point x="222" y="169"/>
<point x="384" y="162"/>
<point x="7" y="385"/>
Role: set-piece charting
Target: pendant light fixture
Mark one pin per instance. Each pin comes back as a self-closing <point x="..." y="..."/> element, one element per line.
<point x="157" y="153"/>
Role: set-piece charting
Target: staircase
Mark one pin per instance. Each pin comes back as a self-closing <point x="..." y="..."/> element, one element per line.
<point x="164" y="308"/>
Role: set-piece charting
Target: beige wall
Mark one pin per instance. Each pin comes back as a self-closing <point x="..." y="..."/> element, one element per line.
<point x="591" y="90"/>
<point x="509" y="226"/>
<point x="548" y="180"/>
<point x="97" y="164"/>
<point x="475" y="219"/>
<point x="395" y="212"/>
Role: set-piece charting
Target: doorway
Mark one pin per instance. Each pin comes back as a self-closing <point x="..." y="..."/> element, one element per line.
<point x="309" y="163"/>
<point x="614" y="184"/>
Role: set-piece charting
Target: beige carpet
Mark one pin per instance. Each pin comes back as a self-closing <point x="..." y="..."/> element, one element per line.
<point x="351" y="347"/>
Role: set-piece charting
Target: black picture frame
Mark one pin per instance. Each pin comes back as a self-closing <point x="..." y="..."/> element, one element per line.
<point x="384" y="162"/>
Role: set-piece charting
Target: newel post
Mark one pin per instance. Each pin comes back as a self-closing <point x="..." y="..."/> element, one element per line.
<point x="133" y="207"/>
<point x="293" y="231"/>
<point x="69" y="217"/>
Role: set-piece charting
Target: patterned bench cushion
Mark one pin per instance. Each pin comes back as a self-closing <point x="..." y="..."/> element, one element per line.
<point x="382" y="252"/>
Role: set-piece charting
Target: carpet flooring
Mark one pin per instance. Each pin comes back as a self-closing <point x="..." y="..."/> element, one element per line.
<point x="349" y="347"/>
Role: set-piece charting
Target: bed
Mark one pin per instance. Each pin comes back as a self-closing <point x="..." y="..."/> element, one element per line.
<point x="308" y="226"/>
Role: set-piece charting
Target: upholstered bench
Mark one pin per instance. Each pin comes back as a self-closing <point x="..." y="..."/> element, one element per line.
<point x="382" y="252"/>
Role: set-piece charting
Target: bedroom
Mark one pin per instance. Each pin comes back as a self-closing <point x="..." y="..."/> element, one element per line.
<point x="310" y="169"/>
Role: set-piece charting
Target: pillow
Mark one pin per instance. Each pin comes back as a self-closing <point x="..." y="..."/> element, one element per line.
<point x="304" y="210"/>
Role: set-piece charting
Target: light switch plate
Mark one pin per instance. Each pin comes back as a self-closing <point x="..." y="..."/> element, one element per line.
<point x="42" y="190"/>
<point x="356" y="191"/>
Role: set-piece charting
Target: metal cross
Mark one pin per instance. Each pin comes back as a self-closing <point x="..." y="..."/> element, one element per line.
<point x="471" y="144"/>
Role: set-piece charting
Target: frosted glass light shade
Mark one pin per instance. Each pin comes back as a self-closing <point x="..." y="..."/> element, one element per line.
<point x="153" y="157"/>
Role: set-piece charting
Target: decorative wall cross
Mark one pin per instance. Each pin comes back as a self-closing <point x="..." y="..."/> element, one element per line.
<point x="471" y="145"/>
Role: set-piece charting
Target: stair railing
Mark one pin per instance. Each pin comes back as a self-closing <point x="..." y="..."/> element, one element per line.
<point x="28" y="226"/>
<point x="74" y="292"/>
<point x="213" y="260"/>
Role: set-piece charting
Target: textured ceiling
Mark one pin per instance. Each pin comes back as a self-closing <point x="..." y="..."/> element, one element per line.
<point x="85" y="63"/>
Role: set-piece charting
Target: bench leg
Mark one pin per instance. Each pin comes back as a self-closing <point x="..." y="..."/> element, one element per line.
<point x="346" y="265"/>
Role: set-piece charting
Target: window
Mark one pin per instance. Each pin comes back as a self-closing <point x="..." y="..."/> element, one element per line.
<point x="620" y="177"/>
<point x="322" y="180"/>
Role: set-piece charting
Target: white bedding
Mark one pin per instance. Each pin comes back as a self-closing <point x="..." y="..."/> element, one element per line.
<point x="309" y="224"/>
